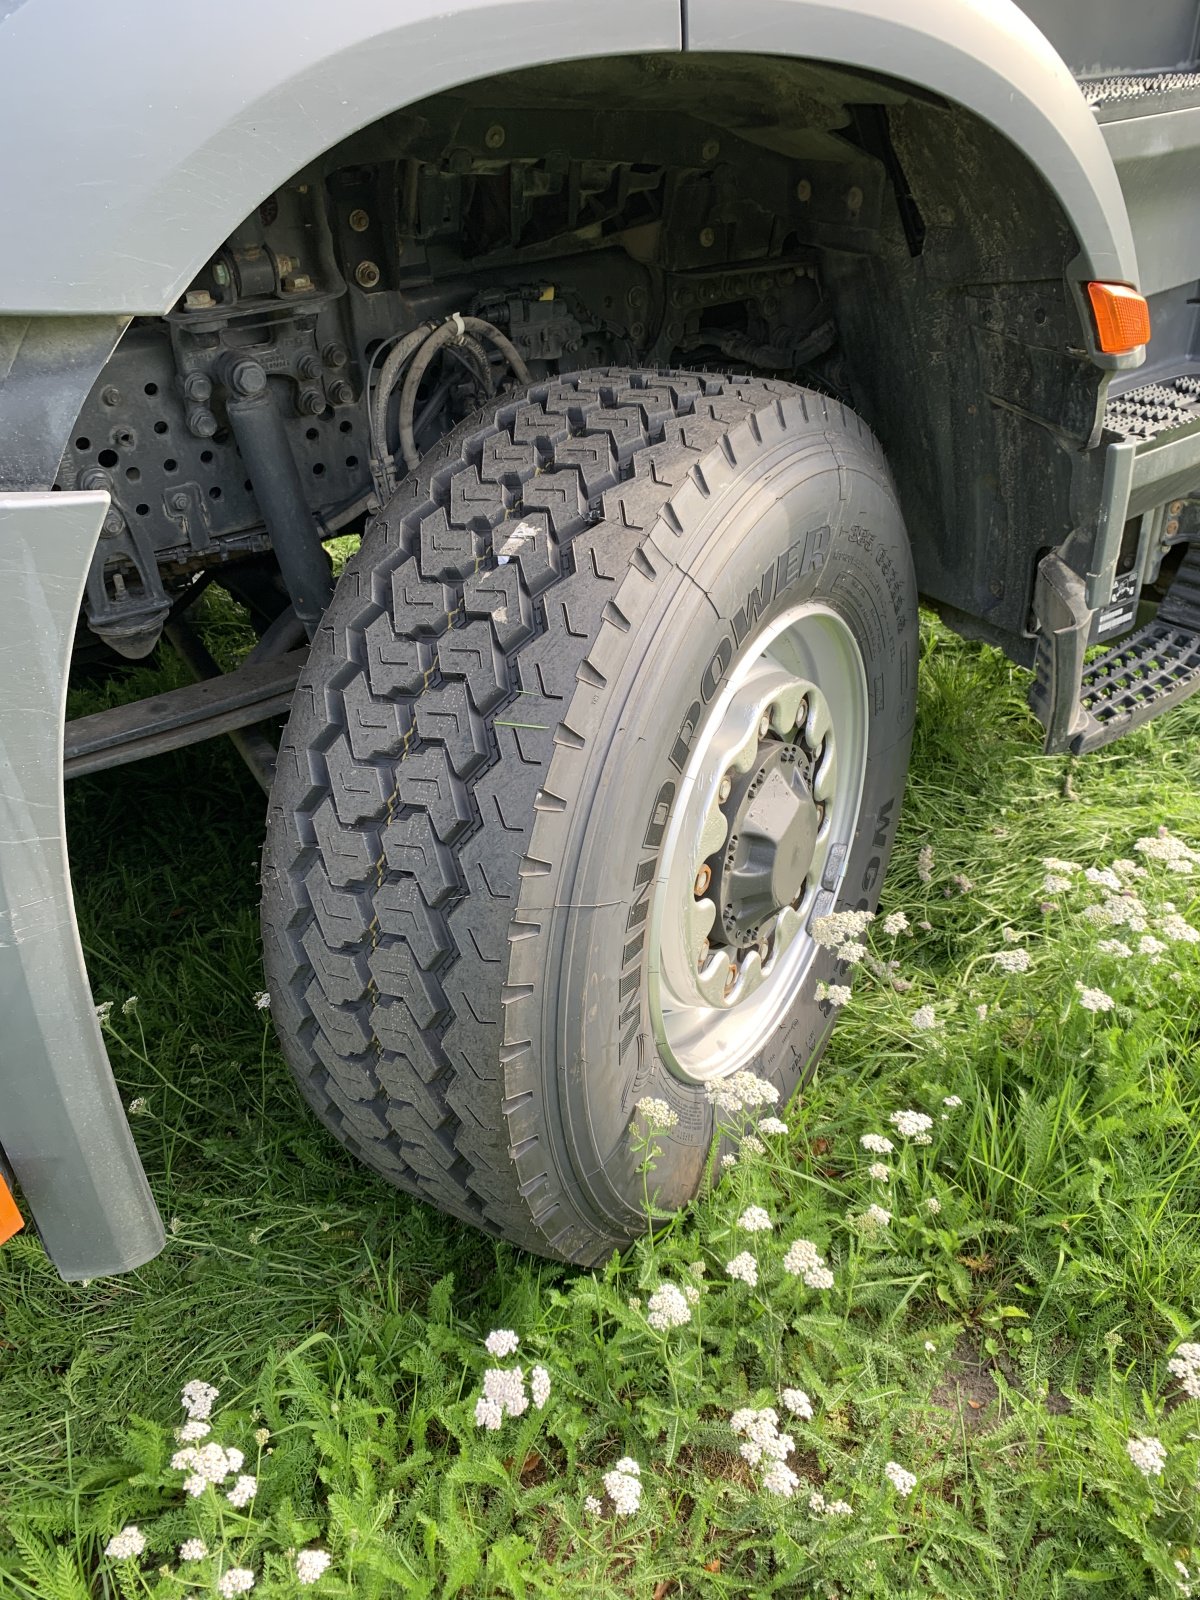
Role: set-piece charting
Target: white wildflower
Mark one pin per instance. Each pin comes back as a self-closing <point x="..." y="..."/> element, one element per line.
<point x="880" y="1171"/>
<point x="1119" y="911"/>
<point x="237" y="1580"/>
<point x="539" y="1386"/>
<point x="749" y="1147"/>
<point x="754" y="1220"/>
<point x="728" y="1161"/>
<point x="852" y="952"/>
<point x="930" y="1347"/>
<point x="262" y="1001"/>
<point x="195" y="1485"/>
<point x="1014" y="960"/>
<point x="1094" y="999"/>
<point x="243" y="1491"/>
<point x="233" y="1458"/>
<point x="1164" y="846"/>
<point x="698" y="1268"/>
<point x="1148" y="945"/>
<point x="193" y="1550"/>
<point x="924" y="1017"/>
<point x="1105" y="877"/>
<point x="692" y="1295"/>
<point x="838" y="1508"/>
<point x="501" y="1342"/>
<point x="876" y="1217"/>
<point x="197" y="1398"/>
<point x="1057" y="864"/>
<point x="1055" y="883"/>
<point x="624" y="1486"/>
<point x="802" y="1255"/>
<point x="310" y="1564"/>
<point x="798" y="1403"/>
<point x="838" y="927"/>
<point x="1115" y="947"/>
<point x="261" y="1435"/>
<point x="981" y="1012"/>
<point x="952" y="1101"/>
<point x="193" y="1431"/>
<point x="139" y="1106"/>
<point x="816" y="1503"/>
<point x="909" y="1124"/>
<point x="657" y="1114"/>
<point x="104" y="1012"/>
<point x="123" y="1546"/>
<point x="1179" y="931"/>
<point x="592" y="1506"/>
<point x="744" y="1267"/>
<point x="505" y="1388"/>
<point x="925" y="863"/>
<point x="667" y="1308"/>
<point x="1129" y="869"/>
<point x="488" y="1414"/>
<point x="895" y="922"/>
<point x="1146" y="1453"/>
<point x="740" y="1091"/>
<point x="1185" y="1365"/>
<point x="877" y="1143"/>
<point x="837" y="994"/>
<point x="902" y="1481"/>
<point x="779" y="1479"/>
<point x="933" y="1205"/>
<point x="772" y="1125"/>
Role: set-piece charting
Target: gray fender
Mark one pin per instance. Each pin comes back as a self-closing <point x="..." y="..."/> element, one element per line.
<point x="133" y="151"/>
<point x="985" y="55"/>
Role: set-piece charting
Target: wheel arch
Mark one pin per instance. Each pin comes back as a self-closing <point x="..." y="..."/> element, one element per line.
<point x="124" y="211"/>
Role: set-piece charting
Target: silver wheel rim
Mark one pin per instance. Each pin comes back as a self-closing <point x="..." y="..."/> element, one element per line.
<point x="798" y="683"/>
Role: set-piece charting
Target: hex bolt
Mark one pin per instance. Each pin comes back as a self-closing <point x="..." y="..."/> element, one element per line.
<point x="179" y="501"/>
<point x="710" y="150"/>
<point x="802" y="713"/>
<point x="95" y="478"/>
<point x="725" y="789"/>
<point x="494" y="137"/>
<point x="308" y="366"/>
<point x="360" y="220"/>
<point x="334" y="355"/>
<point x="708" y="238"/>
<point x="804" y="191"/>
<point x="311" y="403"/>
<point x="247" y="378"/>
<point x="341" y="393"/>
<point x="703" y="879"/>
<point x="111" y="396"/>
<point x="366" y="274"/>
<point x="1172" y="528"/>
<point x="197" y="386"/>
<point x="114" y="522"/>
<point x="297" y="283"/>
<point x="285" y="264"/>
<point x="1175" y="507"/>
<point x="764" y="725"/>
<point x="201" y="422"/>
<point x="220" y="273"/>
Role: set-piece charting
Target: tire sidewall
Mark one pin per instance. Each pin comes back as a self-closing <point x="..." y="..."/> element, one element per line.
<point x="817" y="511"/>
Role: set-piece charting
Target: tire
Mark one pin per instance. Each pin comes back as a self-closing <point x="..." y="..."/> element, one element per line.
<point x="467" y="854"/>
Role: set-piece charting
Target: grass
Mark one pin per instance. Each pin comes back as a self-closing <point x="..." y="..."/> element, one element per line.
<point x="1003" y="1349"/>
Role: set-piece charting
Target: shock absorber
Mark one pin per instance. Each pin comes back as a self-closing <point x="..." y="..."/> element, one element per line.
<point x="262" y="438"/>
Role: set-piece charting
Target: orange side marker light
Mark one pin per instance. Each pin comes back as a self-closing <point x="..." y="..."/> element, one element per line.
<point x="1122" y="317"/>
<point x="11" y="1220"/>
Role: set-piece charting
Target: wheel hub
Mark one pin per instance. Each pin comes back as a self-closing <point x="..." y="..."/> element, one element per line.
<point x="773" y="825"/>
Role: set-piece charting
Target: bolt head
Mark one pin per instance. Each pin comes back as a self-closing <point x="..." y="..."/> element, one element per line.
<point x="198" y="300"/>
<point x="179" y="502"/>
<point x="725" y="789"/>
<point x="297" y="283"/>
<point x="703" y="879"/>
<point x="710" y="150"/>
<point x="341" y="393"/>
<point x="311" y="402"/>
<point x="764" y="725"/>
<point x="731" y="978"/>
<point x="1172" y="528"/>
<point x="111" y="396"/>
<point x="247" y="377"/>
<point x="366" y="275"/>
<point x="804" y="190"/>
<point x="360" y="220"/>
<point x="114" y="522"/>
<point x="220" y="274"/>
<point x="708" y="238"/>
<point x="335" y="355"/>
<point x="494" y="137"/>
<point x="201" y="422"/>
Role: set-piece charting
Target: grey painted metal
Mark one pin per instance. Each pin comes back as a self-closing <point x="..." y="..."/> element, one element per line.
<point x="1094" y="37"/>
<point x="983" y="54"/>
<point x="47" y="367"/>
<point x="132" y="154"/>
<point x="1157" y="157"/>
<point x="62" y="1125"/>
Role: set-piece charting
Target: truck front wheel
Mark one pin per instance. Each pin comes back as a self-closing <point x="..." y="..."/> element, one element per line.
<point x="613" y="703"/>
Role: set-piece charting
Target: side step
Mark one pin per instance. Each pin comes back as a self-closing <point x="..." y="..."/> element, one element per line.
<point x="1149" y="672"/>
<point x="198" y="711"/>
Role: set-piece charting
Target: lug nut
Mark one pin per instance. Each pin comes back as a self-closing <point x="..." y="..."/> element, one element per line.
<point x="703" y="879"/>
<point x="731" y="978"/>
<point x="360" y="220"/>
<point x="764" y="725"/>
<point x="366" y="274"/>
<point x="725" y="789"/>
<point x="341" y="392"/>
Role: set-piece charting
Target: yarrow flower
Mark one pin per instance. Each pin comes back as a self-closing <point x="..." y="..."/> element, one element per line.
<point x="1185" y="1365"/>
<point x="1057" y="864"/>
<point x="876" y="1217"/>
<point x="1165" y="847"/>
<point x="778" y="1478"/>
<point x="839" y="927"/>
<point x="877" y="1143"/>
<point x="197" y="1398"/>
<point x="910" y="1124"/>
<point x="262" y="1001"/>
<point x="804" y="1261"/>
<point x="667" y="1308"/>
<point x="243" y="1491"/>
<point x="310" y="1564"/>
<point x="237" y="1580"/>
<point x="925" y="863"/>
<point x="771" y="1125"/>
<point x="193" y="1550"/>
<point x="797" y="1402"/>
<point x="933" y="1205"/>
<point x="503" y="1395"/>
<point x="837" y="994"/>
<point x="1147" y="1454"/>
<point x="749" y="1147"/>
<point x="952" y="1101"/>
<point x="1055" y="883"/>
<point x="1116" y="947"/>
<point x="880" y="1171"/>
<point x="743" y="1267"/>
<point x="740" y="1091"/>
<point x="924" y="1018"/>
<point x="193" y="1431"/>
<point x="1175" y="928"/>
<point x="1094" y="999"/>
<point x="501" y="1342"/>
<point x="1148" y="945"/>
<point x="657" y="1114"/>
<point x="592" y="1506"/>
<point x="1105" y="877"/>
<point x="754" y="1220"/>
<point x="1119" y="911"/>
<point x="902" y="1481"/>
<point x="539" y="1387"/>
<point x="762" y="1441"/>
<point x="895" y="922"/>
<point x="1014" y="960"/>
<point x="624" y="1486"/>
<point x="123" y="1546"/>
<point x="852" y="952"/>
